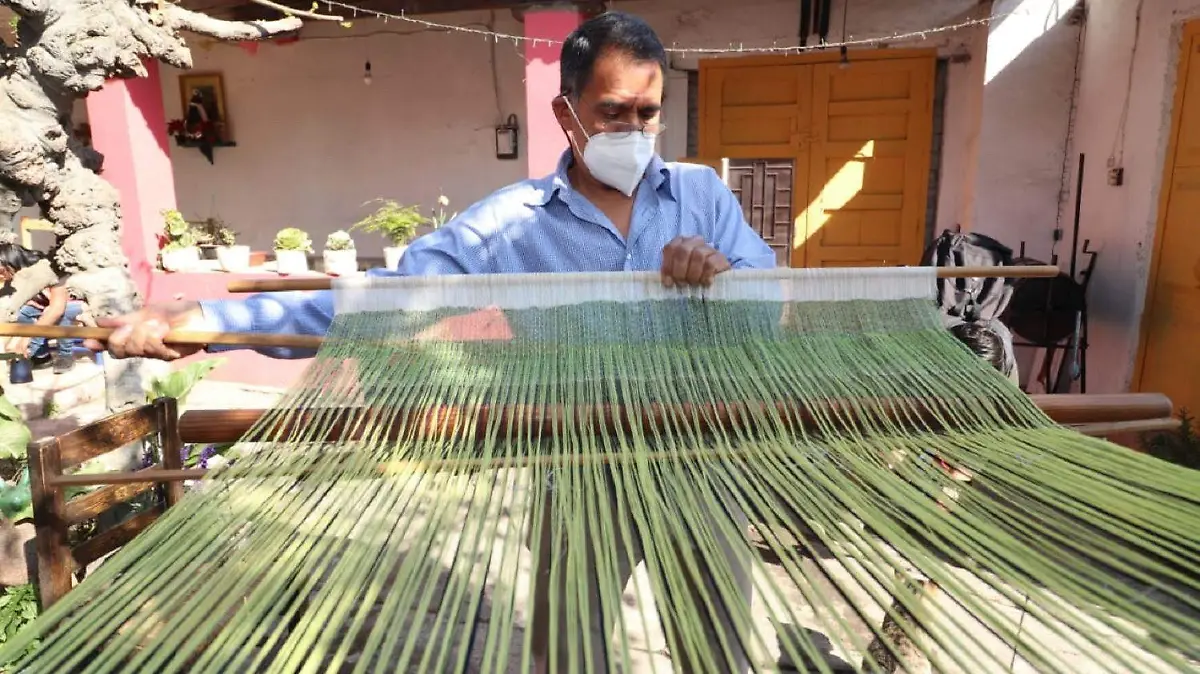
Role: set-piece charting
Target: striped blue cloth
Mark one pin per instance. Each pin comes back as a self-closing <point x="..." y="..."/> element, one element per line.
<point x="534" y="226"/>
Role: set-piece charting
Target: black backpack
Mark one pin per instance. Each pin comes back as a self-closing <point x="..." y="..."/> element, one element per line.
<point x="970" y="299"/>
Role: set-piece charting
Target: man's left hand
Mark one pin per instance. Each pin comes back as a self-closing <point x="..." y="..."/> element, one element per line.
<point x="690" y="261"/>
<point x="17" y="345"/>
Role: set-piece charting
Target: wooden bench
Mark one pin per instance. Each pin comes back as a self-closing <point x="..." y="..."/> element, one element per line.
<point x="53" y="513"/>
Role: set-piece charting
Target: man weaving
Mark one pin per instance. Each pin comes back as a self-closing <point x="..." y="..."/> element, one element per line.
<point x="612" y="205"/>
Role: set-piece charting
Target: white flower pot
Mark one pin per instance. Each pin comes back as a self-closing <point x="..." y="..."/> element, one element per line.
<point x="233" y="258"/>
<point x="291" y="261"/>
<point x="180" y="259"/>
<point x="341" y="262"/>
<point x="392" y="255"/>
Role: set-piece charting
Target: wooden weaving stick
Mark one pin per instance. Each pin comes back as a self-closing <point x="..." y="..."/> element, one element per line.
<point x="174" y="337"/>
<point x="1095" y="415"/>
<point x="223" y="426"/>
<point x="325" y="283"/>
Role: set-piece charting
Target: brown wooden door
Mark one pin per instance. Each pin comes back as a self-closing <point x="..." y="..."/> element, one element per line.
<point x="855" y="141"/>
<point x="1170" y="349"/>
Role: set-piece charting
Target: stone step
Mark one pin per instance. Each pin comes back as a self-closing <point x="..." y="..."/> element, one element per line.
<point x="49" y="394"/>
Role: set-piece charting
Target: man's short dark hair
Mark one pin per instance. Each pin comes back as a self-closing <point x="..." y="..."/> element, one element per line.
<point x="624" y="33"/>
<point x="983" y="341"/>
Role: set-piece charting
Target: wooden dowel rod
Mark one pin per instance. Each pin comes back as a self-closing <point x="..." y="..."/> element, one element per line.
<point x="227" y="426"/>
<point x="318" y="283"/>
<point x="401" y="467"/>
<point x="178" y="337"/>
<point x="146" y="475"/>
<point x="1102" y="429"/>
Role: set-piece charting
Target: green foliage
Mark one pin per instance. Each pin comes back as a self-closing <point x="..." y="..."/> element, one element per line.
<point x="16" y="501"/>
<point x="213" y="232"/>
<point x="439" y="217"/>
<point x="292" y="238"/>
<point x="1180" y="447"/>
<point x="18" y="608"/>
<point x="177" y="231"/>
<point x="339" y="240"/>
<point x="180" y="383"/>
<point x="14" y="434"/>
<point x="394" y="222"/>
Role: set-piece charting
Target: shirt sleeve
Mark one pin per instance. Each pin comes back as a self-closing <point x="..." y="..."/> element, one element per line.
<point x="740" y="244"/>
<point x="293" y="313"/>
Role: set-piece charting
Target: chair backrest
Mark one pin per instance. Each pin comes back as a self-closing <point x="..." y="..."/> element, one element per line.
<point x="54" y="513"/>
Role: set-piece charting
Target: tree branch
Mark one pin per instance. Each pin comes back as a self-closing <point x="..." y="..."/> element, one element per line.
<point x="297" y="12"/>
<point x="25" y="7"/>
<point x="202" y="24"/>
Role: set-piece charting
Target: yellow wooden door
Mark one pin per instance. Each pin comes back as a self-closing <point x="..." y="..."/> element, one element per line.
<point x="857" y="139"/>
<point x="869" y="164"/>
<point x="1170" y="349"/>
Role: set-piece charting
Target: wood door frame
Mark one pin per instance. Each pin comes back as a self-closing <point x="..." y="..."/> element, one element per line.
<point x="705" y="147"/>
<point x="1191" y="30"/>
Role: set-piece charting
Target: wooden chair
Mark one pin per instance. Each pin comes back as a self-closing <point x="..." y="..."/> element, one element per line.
<point x="49" y="460"/>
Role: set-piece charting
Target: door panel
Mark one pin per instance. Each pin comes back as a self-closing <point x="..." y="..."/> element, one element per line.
<point x="1171" y="328"/>
<point x="869" y="163"/>
<point x="858" y="139"/>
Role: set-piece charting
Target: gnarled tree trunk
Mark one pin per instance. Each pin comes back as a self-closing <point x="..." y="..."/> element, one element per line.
<point x="65" y="49"/>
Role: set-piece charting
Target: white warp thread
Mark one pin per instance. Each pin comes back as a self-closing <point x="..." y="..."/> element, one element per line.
<point x="528" y="291"/>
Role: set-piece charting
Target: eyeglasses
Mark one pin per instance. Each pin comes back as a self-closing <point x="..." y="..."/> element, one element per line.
<point x="625" y="129"/>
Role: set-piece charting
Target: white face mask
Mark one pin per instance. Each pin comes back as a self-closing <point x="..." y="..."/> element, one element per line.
<point x="618" y="160"/>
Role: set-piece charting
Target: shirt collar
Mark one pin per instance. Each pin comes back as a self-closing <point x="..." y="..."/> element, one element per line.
<point x="657" y="175"/>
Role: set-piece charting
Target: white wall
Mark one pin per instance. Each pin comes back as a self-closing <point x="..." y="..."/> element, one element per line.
<point x="314" y="142"/>
<point x="1029" y="80"/>
<point x="1121" y="220"/>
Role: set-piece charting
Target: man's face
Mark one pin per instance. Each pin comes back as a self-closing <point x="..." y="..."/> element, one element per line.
<point x="622" y="95"/>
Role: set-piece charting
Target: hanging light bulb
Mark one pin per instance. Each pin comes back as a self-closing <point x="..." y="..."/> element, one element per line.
<point x="367" y="74"/>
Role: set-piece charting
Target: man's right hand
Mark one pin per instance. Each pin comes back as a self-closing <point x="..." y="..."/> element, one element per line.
<point x="140" y="334"/>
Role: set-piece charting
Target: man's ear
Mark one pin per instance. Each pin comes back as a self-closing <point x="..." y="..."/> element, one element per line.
<point x="562" y="113"/>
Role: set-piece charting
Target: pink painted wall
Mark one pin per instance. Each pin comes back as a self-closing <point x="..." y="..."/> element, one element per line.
<point x="245" y="367"/>
<point x="129" y="129"/>
<point x="542" y="84"/>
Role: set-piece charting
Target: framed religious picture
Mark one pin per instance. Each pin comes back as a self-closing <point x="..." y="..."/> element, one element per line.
<point x="202" y="99"/>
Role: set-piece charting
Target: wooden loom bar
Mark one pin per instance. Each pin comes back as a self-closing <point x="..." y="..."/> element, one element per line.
<point x="223" y="426"/>
<point x="318" y="283"/>
<point x="401" y="466"/>
<point x="175" y="337"/>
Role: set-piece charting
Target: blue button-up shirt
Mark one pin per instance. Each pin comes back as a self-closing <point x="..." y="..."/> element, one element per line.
<point x="535" y="226"/>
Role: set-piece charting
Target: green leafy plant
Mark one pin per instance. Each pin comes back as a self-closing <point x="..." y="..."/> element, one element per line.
<point x="292" y="238"/>
<point x="213" y="232"/>
<point x="394" y="222"/>
<point x="14" y="434"/>
<point x="18" y="608"/>
<point x="339" y="240"/>
<point x="177" y="232"/>
<point x="439" y="217"/>
<point x="179" y="384"/>
<point x="1180" y="447"/>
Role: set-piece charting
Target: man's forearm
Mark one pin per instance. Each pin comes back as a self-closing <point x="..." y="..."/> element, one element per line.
<point x="294" y="313"/>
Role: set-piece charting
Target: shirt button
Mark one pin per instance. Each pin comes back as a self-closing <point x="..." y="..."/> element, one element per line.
<point x="629" y="256"/>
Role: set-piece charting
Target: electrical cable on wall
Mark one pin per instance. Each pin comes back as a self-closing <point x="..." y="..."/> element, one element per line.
<point x="488" y="33"/>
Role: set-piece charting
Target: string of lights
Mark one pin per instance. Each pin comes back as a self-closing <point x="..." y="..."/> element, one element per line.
<point x="923" y="34"/>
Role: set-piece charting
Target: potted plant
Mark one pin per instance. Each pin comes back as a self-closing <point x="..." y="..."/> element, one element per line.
<point x="292" y="247"/>
<point x="231" y="256"/>
<point x="395" y="222"/>
<point x="439" y="216"/>
<point x="341" y="258"/>
<point x="178" y="243"/>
